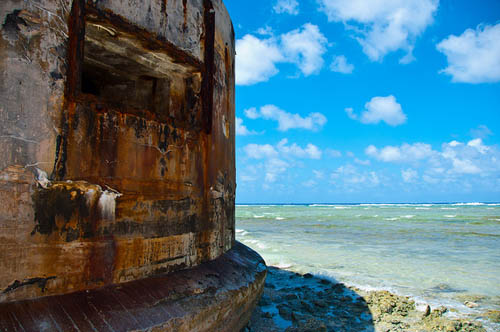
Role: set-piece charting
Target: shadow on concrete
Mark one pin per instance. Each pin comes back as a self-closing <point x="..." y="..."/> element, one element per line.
<point x="293" y="302"/>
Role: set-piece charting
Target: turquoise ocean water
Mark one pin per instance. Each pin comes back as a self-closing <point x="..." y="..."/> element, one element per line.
<point x="439" y="254"/>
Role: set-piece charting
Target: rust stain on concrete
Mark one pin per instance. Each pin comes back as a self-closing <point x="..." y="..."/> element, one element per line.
<point x="115" y="165"/>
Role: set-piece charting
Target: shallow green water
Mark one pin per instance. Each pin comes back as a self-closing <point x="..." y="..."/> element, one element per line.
<point x="438" y="254"/>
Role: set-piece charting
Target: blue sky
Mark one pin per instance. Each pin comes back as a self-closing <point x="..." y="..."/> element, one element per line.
<point x="367" y="101"/>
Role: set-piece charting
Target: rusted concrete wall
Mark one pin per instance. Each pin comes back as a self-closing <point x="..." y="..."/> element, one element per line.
<point x="116" y="141"/>
<point x="217" y="296"/>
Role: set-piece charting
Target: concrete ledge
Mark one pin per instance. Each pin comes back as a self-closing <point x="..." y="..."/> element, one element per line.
<point x="215" y="296"/>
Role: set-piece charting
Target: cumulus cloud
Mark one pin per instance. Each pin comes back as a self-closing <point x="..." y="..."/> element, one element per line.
<point x="286" y="121"/>
<point x="453" y="160"/>
<point x="481" y="131"/>
<point x="333" y="153"/>
<point x="273" y="168"/>
<point x="383" y="26"/>
<point x="256" y="58"/>
<point x="350" y="113"/>
<point x="351" y="178"/>
<point x="282" y="149"/>
<point x="310" y="184"/>
<point x="404" y="153"/>
<point x="409" y="175"/>
<point x="286" y="6"/>
<point x="257" y="151"/>
<point x="305" y="47"/>
<point x="310" y="151"/>
<point x="318" y="174"/>
<point x="265" y="31"/>
<point x="362" y="162"/>
<point x="378" y="109"/>
<point x="474" y="56"/>
<point x="241" y="129"/>
<point x="340" y="65"/>
<point x="277" y="159"/>
<point x="478" y="145"/>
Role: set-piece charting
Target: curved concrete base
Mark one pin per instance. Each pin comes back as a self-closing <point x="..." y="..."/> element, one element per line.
<point x="215" y="296"/>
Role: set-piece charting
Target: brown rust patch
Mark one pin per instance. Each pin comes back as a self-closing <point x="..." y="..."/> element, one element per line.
<point x="101" y="263"/>
<point x="75" y="49"/>
<point x="184" y="5"/>
<point x="164" y="5"/>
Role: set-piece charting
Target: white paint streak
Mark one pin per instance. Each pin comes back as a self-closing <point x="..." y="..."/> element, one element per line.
<point x="41" y="178"/>
<point x="107" y="203"/>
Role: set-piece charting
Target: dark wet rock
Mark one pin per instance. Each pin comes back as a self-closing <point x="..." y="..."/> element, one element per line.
<point x="269" y="285"/>
<point x="264" y="301"/>
<point x="307" y="306"/>
<point x="310" y="304"/>
<point x="308" y="276"/>
<point x="285" y="311"/>
<point x="320" y="303"/>
<point x="267" y="315"/>
<point x="312" y="325"/>
<point x="427" y="311"/>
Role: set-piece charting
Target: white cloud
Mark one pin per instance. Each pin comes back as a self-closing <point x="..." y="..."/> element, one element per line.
<point x="478" y="144"/>
<point x="470" y="158"/>
<point x="340" y="65"/>
<point x="474" y="56"/>
<point x="351" y="178"/>
<point x="362" y="162"/>
<point x="481" y="131"/>
<point x="257" y="151"/>
<point x="350" y="113"/>
<point x="247" y="178"/>
<point x="241" y="129"/>
<point x="310" y="184"/>
<point x="409" y="175"/>
<point x="333" y="153"/>
<point x="287" y="6"/>
<point x="378" y="109"/>
<point x="252" y="113"/>
<point x="310" y="151"/>
<point x="318" y="174"/>
<point x="454" y="160"/>
<point x="274" y="167"/>
<point x="404" y="153"/>
<point x="277" y="159"/>
<point x="256" y="59"/>
<point x="283" y="149"/>
<point x="305" y="47"/>
<point x="286" y="121"/>
<point x="265" y="31"/>
<point x="383" y="26"/>
<point x="465" y="166"/>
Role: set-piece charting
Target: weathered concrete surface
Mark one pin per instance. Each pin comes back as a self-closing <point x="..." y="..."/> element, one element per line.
<point x="116" y="141"/>
<point x="215" y="296"/>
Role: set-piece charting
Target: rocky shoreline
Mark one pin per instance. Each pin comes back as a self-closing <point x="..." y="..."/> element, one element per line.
<point x="292" y="302"/>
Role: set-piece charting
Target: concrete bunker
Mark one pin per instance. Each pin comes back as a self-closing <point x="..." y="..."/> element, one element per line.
<point x="117" y="169"/>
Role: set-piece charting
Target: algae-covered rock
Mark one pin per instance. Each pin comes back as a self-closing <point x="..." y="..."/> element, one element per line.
<point x="493" y="315"/>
